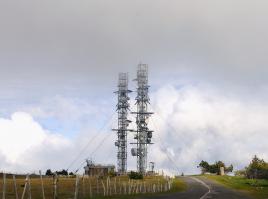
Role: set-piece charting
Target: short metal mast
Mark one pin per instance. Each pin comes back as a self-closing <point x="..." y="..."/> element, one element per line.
<point x="143" y="134"/>
<point x="123" y="122"/>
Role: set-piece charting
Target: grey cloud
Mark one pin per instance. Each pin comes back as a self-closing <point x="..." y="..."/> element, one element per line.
<point x="76" y="48"/>
<point x="71" y="43"/>
<point x="196" y="123"/>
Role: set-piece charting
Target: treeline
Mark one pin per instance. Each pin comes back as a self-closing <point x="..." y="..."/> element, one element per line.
<point x="214" y="168"/>
<point x="257" y="169"/>
<point x="63" y="172"/>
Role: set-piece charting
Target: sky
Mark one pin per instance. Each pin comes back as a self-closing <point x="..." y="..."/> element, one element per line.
<point x="59" y="63"/>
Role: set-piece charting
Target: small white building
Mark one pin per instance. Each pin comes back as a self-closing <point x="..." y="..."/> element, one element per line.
<point x="92" y="169"/>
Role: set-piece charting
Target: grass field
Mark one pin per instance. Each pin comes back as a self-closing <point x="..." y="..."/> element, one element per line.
<point x="257" y="188"/>
<point x="118" y="187"/>
<point x="177" y="186"/>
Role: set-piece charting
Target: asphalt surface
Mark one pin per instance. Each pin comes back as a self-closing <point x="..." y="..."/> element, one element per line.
<point x="202" y="188"/>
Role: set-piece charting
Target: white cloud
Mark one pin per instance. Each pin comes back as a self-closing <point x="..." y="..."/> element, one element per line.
<point x="26" y="146"/>
<point x="191" y="122"/>
<point x="21" y="136"/>
<point x="195" y="123"/>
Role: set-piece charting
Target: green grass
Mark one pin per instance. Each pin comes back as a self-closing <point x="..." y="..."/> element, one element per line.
<point x="257" y="188"/>
<point x="178" y="185"/>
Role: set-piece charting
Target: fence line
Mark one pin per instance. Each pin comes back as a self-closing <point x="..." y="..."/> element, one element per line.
<point x="79" y="186"/>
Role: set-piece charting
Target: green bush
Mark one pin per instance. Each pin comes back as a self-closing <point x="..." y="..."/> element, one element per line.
<point x="111" y="174"/>
<point x="214" y="168"/>
<point x="240" y="173"/>
<point x="135" y="175"/>
<point x="257" y="169"/>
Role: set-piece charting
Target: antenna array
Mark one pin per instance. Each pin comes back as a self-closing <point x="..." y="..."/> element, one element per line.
<point x="143" y="135"/>
<point x="123" y="122"/>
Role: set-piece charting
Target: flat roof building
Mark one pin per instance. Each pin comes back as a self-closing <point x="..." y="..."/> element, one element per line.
<point x="92" y="169"/>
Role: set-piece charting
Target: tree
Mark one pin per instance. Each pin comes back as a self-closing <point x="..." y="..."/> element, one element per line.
<point x="62" y="172"/>
<point x="229" y="169"/>
<point x="214" y="168"/>
<point x="204" y="166"/>
<point x="49" y="172"/>
<point x="71" y="173"/>
<point x="257" y="169"/>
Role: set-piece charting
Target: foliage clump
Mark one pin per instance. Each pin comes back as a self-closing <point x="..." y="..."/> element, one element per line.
<point x="214" y="168"/>
<point x="63" y="172"/>
<point x="49" y="172"/>
<point x="111" y="174"/>
<point x="257" y="169"/>
<point x="135" y="175"/>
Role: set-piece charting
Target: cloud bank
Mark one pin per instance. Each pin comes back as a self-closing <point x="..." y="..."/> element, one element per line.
<point x="191" y="123"/>
<point x="59" y="61"/>
<point x="196" y="123"/>
<point x="23" y="142"/>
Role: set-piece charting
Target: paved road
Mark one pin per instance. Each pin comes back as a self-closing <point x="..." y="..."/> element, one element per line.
<point x="202" y="188"/>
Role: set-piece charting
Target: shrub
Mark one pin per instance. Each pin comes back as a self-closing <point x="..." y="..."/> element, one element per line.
<point x="257" y="169"/>
<point x="62" y="172"/>
<point x="135" y="175"/>
<point x="240" y="173"/>
<point x="49" y="172"/>
<point x="111" y="174"/>
<point x="214" y="168"/>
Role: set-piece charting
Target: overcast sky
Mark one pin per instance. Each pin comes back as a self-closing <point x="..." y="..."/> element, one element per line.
<point x="60" y="59"/>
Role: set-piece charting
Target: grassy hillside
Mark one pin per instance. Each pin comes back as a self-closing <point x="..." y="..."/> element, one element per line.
<point x="257" y="188"/>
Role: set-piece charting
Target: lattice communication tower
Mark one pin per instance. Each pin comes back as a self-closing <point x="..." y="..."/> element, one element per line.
<point x="123" y="122"/>
<point x="142" y="135"/>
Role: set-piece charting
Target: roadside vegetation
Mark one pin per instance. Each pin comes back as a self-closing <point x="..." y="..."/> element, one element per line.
<point x="214" y="168"/>
<point x="257" y="169"/>
<point x="258" y="188"/>
<point x="253" y="179"/>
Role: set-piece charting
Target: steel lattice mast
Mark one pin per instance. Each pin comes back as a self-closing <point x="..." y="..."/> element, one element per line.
<point x="123" y="122"/>
<point x="143" y="134"/>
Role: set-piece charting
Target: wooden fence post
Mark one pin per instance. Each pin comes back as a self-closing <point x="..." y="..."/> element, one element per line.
<point x="107" y="186"/>
<point x="42" y="184"/>
<point x="25" y="186"/>
<point x="115" y="186"/>
<point x="120" y="186"/>
<point x="83" y="186"/>
<point x="104" y="192"/>
<point x="166" y="186"/>
<point x="137" y="188"/>
<point x="29" y="188"/>
<point x="90" y="190"/>
<point x="144" y="187"/>
<point x="15" y="187"/>
<point x="129" y="187"/>
<point x="4" y="185"/>
<point x="98" y="188"/>
<point x="76" y="187"/>
<point x="55" y="185"/>
<point x="125" y="188"/>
